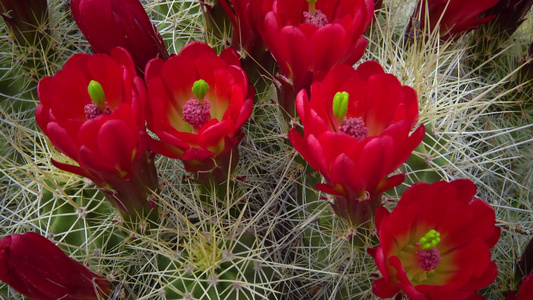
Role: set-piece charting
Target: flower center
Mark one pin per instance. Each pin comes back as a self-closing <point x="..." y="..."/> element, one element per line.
<point x="428" y="259"/>
<point x="196" y="114"/>
<point x="318" y="18"/>
<point x="429" y="255"/>
<point x="420" y="260"/>
<point x="354" y="127"/>
<point x="314" y="16"/>
<point x="92" y="111"/>
<point x="197" y="111"/>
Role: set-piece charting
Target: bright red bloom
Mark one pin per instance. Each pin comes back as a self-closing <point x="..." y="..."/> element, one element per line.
<point x="436" y="243"/>
<point x="357" y="151"/>
<point x="306" y="43"/>
<point x="201" y="130"/>
<point x="107" y="24"/>
<point x="110" y="145"/>
<point x="38" y="269"/>
<point x="456" y="16"/>
<point x="525" y="292"/>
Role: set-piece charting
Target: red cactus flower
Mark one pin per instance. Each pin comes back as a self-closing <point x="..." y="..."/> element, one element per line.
<point x="198" y="105"/>
<point x="93" y="112"/>
<point x="451" y="17"/>
<point x="107" y="24"/>
<point x="307" y="38"/>
<point x="356" y="132"/>
<point x="38" y="269"/>
<point x="436" y="243"/>
<point x="525" y="292"/>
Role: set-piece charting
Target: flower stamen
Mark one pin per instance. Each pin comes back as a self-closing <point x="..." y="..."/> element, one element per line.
<point x="428" y="259"/>
<point x="354" y="127"/>
<point x="197" y="114"/>
<point x="92" y="111"/>
<point x="314" y="16"/>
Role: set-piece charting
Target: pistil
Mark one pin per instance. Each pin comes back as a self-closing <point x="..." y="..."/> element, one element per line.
<point x="311" y="4"/>
<point x="97" y="95"/>
<point x="429" y="255"/>
<point x="197" y="111"/>
<point x="351" y="126"/>
<point x="196" y="114"/>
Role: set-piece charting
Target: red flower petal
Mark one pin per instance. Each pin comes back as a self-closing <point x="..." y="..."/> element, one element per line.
<point x="62" y="140"/>
<point x="76" y="170"/>
<point x="109" y="74"/>
<point x="296" y="48"/>
<point x="327" y="45"/>
<point x="123" y="57"/>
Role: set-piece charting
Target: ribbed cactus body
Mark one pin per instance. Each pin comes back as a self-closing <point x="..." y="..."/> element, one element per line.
<point x="76" y="225"/>
<point x="223" y="269"/>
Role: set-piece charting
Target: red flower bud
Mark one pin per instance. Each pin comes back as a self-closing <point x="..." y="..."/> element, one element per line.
<point x="436" y="243"/>
<point x="451" y="17"/>
<point x="244" y="35"/>
<point x="509" y="16"/>
<point x="93" y="112"/>
<point x="525" y="292"/>
<point x="27" y="19"/>
<point x="107" y="24"/>
<point x="38" y="269"/>
<point x="356" y="145"/>
<point x="201" y="125"/>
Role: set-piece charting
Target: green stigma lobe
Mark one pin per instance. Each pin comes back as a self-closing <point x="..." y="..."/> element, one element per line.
<point x="430" y="240"/>
<point x="340" y="104"/>
<point x="96" y="92"/>
<point x="200" y="88"/>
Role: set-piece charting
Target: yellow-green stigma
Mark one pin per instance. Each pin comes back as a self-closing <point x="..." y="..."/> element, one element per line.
<point x="430" y="240"/>
<point x="96" y="92"/>
<point x="97" y="95"/>
<point x="351" y="126"/>
<point x="199" y="89"/>
<point x="340" y="104"/>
